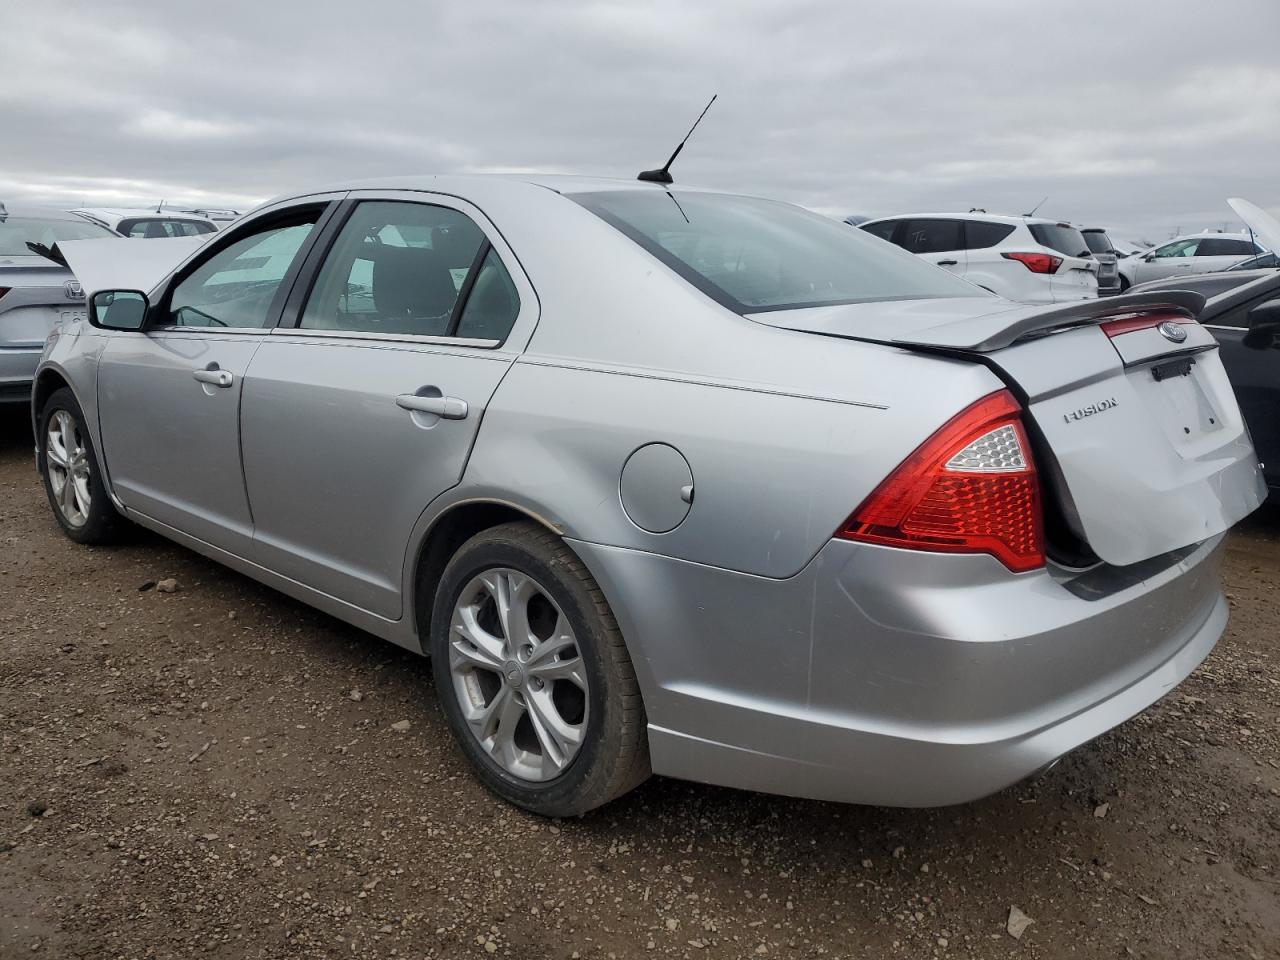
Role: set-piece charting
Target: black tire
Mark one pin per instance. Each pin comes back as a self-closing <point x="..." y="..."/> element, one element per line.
<point x="1124" y="284"/>
<point x="614" y="755"/>
<point x="102" y="523"/>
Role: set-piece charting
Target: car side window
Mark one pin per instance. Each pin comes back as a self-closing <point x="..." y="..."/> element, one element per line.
<point x="1179" y="248"/>
<point x="493" y="303"/>
<point x="931" y="236"/>
<point x="413" y="269"/>
<point x="236" y="285"/>
<point x="981" y="234"/>
<point x="883" y="229"/>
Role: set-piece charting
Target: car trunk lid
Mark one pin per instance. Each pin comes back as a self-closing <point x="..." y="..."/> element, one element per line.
<point x="1147" y="447"/>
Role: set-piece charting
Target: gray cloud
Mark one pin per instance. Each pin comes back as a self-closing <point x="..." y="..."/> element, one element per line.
<point x="1127" y="115"/>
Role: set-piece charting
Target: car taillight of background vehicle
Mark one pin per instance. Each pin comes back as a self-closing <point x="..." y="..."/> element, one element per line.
<point x="1036" y="262"/>
<point x="970" y="488"/>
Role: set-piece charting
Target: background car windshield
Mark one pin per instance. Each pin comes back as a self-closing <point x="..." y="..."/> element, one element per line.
<point x="1058" y="237"/>
<point x="16" y="232"/>
<point x="754" y="255"/>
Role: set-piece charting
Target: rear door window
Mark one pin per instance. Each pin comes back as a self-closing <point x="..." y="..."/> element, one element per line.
<point x="414" y="269"/>
<point x="982" y="234"/>
<point x="930" y="236"/>
<point x="1224" y="247"/>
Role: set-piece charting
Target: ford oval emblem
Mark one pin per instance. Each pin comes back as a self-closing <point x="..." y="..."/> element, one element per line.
<point x="1172" y="331"/>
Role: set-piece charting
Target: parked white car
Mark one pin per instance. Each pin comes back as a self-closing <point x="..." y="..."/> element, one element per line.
<point x="1188" y="255"/>
<point x="1028" y="259"/>
<point x="149" y="224"/>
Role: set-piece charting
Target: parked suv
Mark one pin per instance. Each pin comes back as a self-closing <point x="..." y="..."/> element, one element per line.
<point x="1108" y="261"/>
<point x="150" y="224"/>
<point x="1187" y="255"/>
<point x="1022" y="258"/>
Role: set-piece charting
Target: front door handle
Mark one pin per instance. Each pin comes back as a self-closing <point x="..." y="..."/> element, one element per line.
<point x="947" y="263"/>
<point x="449" y="408"/>
<point x="215" y="378"/>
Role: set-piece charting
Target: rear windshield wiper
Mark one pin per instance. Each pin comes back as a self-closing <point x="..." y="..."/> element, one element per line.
<point x="49" y="253"/>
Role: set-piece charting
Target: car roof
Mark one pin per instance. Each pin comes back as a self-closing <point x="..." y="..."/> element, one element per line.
<point x="37" y="212"/>
<point x="974" y="215"/>
<point x="126" y="213"/>
<point x="1202" y="234"/>
<point x="477" y="185"/>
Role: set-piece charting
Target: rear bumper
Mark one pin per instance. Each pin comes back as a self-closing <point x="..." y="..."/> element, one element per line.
<point x="897" y="678"/>
<point x="17" y="370"/>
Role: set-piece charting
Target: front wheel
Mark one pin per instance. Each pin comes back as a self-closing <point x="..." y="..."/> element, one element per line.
<point x="1124" y="284"/>
<point x="533" y="674"/>
<point x="72" y="478"/>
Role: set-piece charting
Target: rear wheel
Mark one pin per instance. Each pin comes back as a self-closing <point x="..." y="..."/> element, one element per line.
<point x="533" y="675"/>
<point x="72" y="478"/>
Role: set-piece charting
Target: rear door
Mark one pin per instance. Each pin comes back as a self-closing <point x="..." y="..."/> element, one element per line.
<point x="362" y="406"/>
<point x="939" y="240"/>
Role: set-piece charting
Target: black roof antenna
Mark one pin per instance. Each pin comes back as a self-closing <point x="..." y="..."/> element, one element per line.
<point x="1032" y="211"/>
<point x="663" y="174"/>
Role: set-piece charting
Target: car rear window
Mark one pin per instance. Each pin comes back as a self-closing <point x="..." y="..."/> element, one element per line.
<point x="1060" y="237"/>
<point x="981" y="234"/>
<point x="1098" y="241"/>
<point x="753" y="255"/>
<point x="17" y="232"/>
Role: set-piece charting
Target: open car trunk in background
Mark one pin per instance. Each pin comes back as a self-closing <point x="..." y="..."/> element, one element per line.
<point x="1142" y="429"/>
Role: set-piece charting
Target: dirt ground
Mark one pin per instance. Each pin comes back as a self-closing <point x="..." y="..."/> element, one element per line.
<point x="213" y="773"/>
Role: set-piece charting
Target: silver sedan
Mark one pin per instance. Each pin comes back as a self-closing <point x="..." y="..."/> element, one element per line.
<point x="671" y="481"/>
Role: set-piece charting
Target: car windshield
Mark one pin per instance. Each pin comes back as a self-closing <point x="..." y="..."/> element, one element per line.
<point x="17" y="232"/>
<point x="753" y="255"/>
<point x="1060" y="237"/>
<point x="1097" y="241"/>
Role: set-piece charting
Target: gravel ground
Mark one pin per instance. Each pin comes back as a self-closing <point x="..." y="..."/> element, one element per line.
<point x="214" y="773"/>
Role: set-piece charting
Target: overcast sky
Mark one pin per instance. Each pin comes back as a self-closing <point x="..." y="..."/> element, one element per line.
<point x="1143" y="116"/>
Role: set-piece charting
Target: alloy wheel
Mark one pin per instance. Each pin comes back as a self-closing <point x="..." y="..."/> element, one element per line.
<point x="67" y="462"/>
<point x="518" y="674"/>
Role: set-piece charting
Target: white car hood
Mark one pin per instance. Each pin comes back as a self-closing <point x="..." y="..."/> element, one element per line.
<point x="112" y="264"/>
<point x="1264" y="226"/>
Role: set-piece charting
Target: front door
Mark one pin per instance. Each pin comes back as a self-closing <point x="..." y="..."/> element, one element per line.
<point x="364" y="410"/>
<point x="937" y="240"/>
<point x="1170" y="260"/>
<point x="169" y="396"/>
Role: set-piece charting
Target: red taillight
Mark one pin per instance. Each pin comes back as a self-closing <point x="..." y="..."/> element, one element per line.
<point x="1036" y="262"/>
<point x="969" y="488"/>
<point x="1142" y="321"/>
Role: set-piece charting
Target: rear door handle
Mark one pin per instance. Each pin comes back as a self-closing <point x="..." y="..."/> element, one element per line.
<point x="450" y="408"/>
<point x="947" y="263"/>
<point x="216" y="378"/>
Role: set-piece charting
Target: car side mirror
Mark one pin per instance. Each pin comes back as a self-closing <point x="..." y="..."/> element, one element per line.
<point x="1264" y="323"/>
<point x="1149" y="257"/>
<point x="118" y="309"/>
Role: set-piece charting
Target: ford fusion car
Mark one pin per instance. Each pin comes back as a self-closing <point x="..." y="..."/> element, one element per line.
<point x="668" y="480"/>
